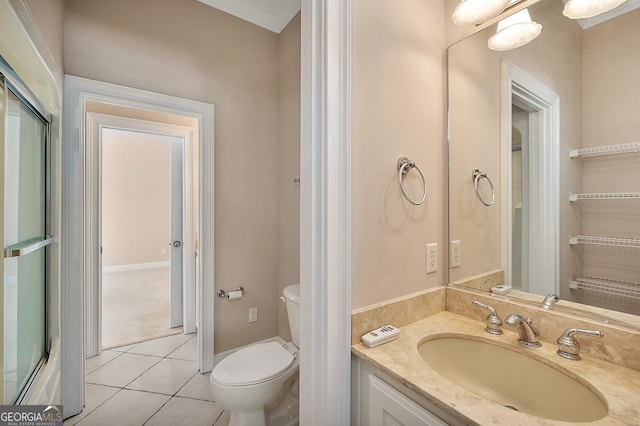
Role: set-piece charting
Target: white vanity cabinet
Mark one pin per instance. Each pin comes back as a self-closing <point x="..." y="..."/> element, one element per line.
<point x="389" y="407"/>
<point x="379" y="400"/>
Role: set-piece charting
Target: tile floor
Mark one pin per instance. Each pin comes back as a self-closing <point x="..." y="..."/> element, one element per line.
<point x="150" y="383"/>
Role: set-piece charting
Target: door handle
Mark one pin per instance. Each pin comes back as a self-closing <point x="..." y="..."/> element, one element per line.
<point x="27" y="247"/>
<point x="176" y="243"/>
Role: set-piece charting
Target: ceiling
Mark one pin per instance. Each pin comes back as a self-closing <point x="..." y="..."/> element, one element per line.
<point x="273" y="15"/>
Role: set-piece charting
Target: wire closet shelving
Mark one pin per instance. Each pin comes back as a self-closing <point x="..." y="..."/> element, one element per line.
<point x="625" y="289"/>
<point x="602" y="285"/>
<point x="601" y="151"/>
<point x="604" y="241"/>
<point x="605" y="196"/>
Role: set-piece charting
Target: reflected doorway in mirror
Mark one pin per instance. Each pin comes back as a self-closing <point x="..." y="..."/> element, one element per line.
<point x="530" y="203"/>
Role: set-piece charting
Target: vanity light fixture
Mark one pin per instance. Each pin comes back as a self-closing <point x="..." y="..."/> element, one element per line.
<point x="581" y="9"/>
<point x="471" y="12"/>
<point x="514" y="31"/>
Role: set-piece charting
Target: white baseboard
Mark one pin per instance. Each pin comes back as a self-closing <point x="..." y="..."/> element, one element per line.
<point x="136" y="267"/>
<point x="222" y="355"/>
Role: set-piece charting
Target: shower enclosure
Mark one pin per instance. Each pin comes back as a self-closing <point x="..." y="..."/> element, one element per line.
<point x="24" y="186"/>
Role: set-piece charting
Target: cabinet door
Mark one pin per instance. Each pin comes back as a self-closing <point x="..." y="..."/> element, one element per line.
<point x="389" y="407"/>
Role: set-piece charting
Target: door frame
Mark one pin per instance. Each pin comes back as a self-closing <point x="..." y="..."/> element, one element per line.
<point x="543" y="105"/>
<point x="325" y="213"/>
<point x="77" y="92"/>
<point x="95" y="123"/>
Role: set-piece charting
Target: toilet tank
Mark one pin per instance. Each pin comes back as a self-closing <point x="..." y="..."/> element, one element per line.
<point x="292" y="299"/>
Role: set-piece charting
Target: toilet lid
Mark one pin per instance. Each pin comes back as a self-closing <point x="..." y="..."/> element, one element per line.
<point x="253" y="364"/>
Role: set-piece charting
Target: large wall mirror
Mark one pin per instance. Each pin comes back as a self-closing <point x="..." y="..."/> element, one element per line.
<point x="544" y="162"/>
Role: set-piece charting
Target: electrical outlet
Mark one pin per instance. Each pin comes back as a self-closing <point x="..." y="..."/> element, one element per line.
<point x="164" y="251"/>
<point x="432" y="257"/>
<point x="454" y="255"/>
<point x="253" y="314"/>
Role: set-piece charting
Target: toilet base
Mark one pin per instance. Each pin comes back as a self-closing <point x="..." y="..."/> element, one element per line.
<point x="252" y="418"/>
<point x="281" y="411"/>
<point x="284" y="410"/>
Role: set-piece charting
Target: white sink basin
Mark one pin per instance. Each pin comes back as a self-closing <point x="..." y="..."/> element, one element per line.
<point x="512" y="379"/>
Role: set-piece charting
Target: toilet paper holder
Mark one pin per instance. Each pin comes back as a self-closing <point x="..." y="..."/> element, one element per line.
<point x="231" y="294"/>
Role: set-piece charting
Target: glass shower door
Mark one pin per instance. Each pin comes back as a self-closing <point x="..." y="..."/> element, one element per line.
<point x="25" y="242"/>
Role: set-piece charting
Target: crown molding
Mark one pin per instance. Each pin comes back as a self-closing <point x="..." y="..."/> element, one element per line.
<point x="273" y="15"/>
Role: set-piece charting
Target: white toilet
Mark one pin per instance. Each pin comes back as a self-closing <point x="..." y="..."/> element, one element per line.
<point x="248" y="379"/>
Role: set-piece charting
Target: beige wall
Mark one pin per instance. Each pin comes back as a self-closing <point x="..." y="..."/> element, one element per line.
<point x="611" y="92"/>
<point x="398" y="107"/>
<point x="289" y="160"/>
<point x="190" y="50"/>
<point x="611" y="105"/>
<point x="475" y="87"/>
<point x="136" y="197"/>
<point x="49" y="18"/>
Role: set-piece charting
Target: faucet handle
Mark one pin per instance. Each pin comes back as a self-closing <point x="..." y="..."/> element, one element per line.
<point x="569" y="347"/>
<point x="493" y="321"/>
<point x="550" y="301"/>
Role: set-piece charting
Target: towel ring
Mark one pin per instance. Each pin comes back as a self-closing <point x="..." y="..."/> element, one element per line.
<point x="404" y="165"/>
<point x="477" y="175"/>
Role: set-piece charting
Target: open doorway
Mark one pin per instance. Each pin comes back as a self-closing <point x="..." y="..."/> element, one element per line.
<point x="90" y="101"/>
<point x="141" y="236"/>
<point x="530" y="134"/>
<point x="143" y="220"/>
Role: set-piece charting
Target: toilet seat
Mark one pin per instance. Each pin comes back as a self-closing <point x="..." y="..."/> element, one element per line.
<point x="252" y="365"/>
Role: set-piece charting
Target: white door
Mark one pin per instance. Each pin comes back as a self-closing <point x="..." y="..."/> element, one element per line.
<point x="177" y="203"/>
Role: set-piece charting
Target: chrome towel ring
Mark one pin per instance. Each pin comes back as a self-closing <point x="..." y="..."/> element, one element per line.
<point x="477" y="175"/>
<point x="404" y="165"/>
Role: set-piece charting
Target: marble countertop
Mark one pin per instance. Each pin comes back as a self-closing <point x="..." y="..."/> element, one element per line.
<point x="620" y="386"/>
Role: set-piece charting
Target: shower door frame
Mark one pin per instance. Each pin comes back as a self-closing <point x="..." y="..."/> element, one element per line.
<point x="11" y="83"/>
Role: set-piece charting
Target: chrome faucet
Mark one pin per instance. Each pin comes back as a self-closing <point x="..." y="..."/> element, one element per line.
<point x="550" y="301"/>
<point x="529" y="335"/>
<point x="493" y="321"/>
<point x="569" y="347"/>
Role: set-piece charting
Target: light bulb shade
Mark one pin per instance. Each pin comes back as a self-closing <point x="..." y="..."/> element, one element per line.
<point x="471" y="12"/>
<point x="514" y="31"/>
<point x="581" y="9"/>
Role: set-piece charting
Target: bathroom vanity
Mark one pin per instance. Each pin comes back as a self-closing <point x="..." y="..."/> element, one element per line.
<point x="401" y="381"/>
